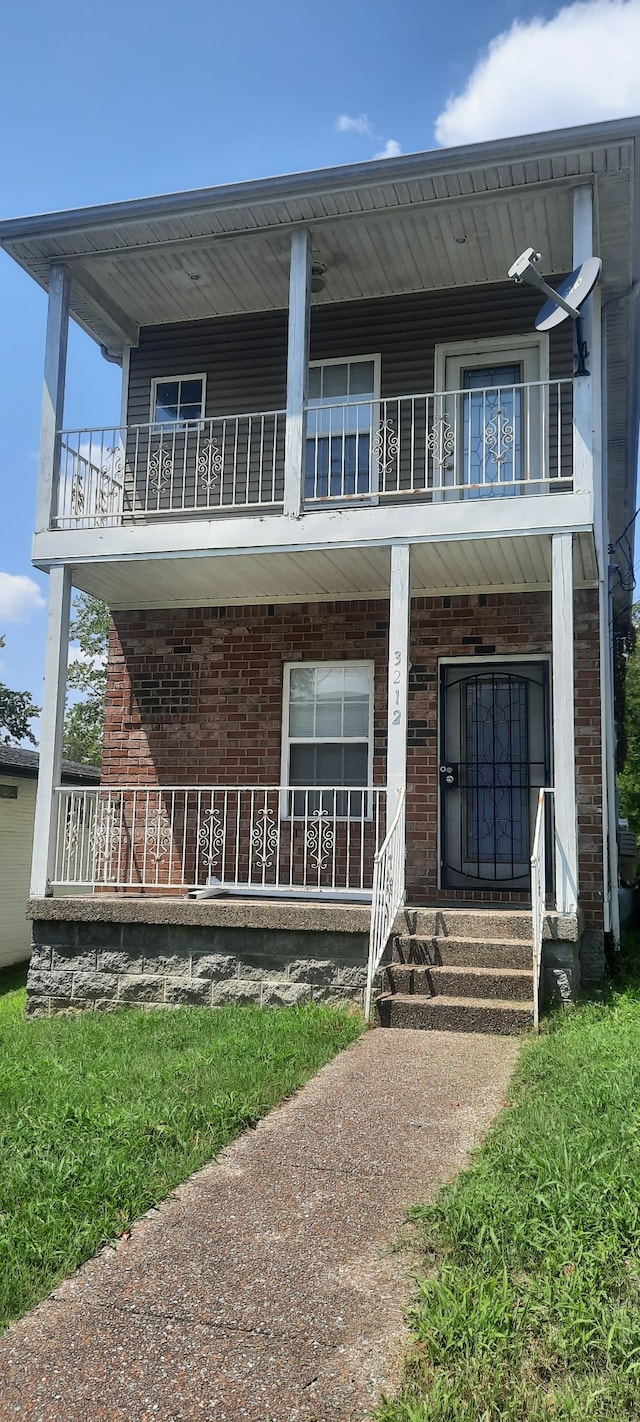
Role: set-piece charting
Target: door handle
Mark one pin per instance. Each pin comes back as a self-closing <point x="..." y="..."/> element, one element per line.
<point x="450" y="776"/>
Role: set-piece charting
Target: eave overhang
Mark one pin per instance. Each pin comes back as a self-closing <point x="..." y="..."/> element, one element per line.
<point x="380" y="228"/>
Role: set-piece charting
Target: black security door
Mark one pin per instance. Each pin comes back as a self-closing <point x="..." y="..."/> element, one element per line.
<point x="494" y="750"/>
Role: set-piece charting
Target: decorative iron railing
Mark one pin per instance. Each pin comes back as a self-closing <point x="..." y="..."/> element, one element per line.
<point x="538" y="896"/>
<point x="387" y="895"/>
<point x="113" y="475"/>
<point x="459" y="444"/>
<point x="277" y="839"/>
<point x="496" y="442"/>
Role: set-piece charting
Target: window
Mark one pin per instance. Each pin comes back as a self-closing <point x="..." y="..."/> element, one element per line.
<point x="327" y="735"/>
<point x="177" y="399"/>
<point x="340" y="418"/>
<point x="8" y="792"/>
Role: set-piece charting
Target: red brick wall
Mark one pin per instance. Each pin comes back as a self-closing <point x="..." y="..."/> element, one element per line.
<point x="588" y="756"/>
<point x="195" y="697"/>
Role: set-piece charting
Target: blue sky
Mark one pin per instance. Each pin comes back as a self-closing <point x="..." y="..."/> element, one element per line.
<point x="122" y="100"/>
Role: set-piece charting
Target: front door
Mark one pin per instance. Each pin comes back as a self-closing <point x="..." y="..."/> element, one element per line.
<point x="494" y="756"/>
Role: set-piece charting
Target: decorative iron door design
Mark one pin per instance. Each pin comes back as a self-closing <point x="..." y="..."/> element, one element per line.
<point x="494" y="756"/>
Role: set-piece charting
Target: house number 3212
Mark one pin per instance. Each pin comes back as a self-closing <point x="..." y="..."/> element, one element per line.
<point x="396" y="680"/>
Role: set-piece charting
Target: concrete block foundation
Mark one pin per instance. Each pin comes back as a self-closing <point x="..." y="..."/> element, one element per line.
<point x="99" y="953"/>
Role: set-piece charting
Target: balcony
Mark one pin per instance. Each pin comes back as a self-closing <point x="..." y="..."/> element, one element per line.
<point x="448" y="446"/>
<point x="275" y="840"/>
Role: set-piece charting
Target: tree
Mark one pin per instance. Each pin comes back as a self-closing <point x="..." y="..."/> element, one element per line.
<point x="629" y="779"/>
<point x="84" y="720"/>
<point x="17" y="709"/>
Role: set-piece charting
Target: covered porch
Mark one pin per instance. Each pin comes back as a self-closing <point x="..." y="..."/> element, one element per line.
<point x="303" y="830"/>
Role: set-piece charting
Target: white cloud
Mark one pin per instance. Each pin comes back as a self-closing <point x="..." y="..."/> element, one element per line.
<point x="20" y="597"/>
<point x="96" y="660"/>
<point x="347" y="124"/>
<point x="391" y="149"/>
<point x="363" y="126"/>
<point x="581" y="66"/>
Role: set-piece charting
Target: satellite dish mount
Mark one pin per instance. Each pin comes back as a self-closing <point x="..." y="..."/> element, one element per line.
<point x="566" y="301"/>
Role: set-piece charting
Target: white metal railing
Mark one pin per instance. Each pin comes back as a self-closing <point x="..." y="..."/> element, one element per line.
<point x="497" y="441"/>
<point x="109" y="476"/>
<point x="387" y="895"/>
<point x="459" y="444"/>
<point x="271" y="839"/>
<point x="539" y="896"/>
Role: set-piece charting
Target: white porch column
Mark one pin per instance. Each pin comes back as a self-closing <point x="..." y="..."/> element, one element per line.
<point x="297" y="371"/>
<point x="51" y="727"/>
<point x="583" y="385"/>
<point x="564" y="752"/>
<point x="55" y="369"/>
<point x="399" y="616"/>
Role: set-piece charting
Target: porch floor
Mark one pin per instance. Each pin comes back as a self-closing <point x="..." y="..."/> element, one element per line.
<point x="226" y="912"/>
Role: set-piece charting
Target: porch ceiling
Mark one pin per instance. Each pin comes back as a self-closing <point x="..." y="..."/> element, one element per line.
<point x="451" y="567"/>
<point x="380" y="228"/>
<point x="392" y="251"/>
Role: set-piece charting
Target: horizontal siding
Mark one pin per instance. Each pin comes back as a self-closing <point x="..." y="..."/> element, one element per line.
<point x="245" y="357"/>
<point x="16" y="836"/>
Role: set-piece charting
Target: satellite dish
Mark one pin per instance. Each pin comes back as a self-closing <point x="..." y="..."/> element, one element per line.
<point x="574" y="290"/>
<point x="571" y="293"/>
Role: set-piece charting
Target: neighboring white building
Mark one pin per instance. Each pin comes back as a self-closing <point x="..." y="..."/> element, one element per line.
<point x="18" y="783"/>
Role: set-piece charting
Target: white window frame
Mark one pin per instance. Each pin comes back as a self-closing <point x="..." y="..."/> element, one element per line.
<point x="376" y="360"/>
<point x="288" y="741"/>
<point x="177" y="424"/>
<point x="530" y="350"/>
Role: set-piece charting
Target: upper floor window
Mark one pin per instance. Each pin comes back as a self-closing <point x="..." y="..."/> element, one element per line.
<point x="177" y="399"/>
<point x="340" y="421"/>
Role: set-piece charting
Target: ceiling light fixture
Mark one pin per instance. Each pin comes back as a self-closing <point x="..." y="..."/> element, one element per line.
<point x="318" y="282"/>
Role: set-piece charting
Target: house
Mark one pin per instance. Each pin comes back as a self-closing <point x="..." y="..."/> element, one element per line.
<point x="363" y="529"/>
<point x="18" y="782"/>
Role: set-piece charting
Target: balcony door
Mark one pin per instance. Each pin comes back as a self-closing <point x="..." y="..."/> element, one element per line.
<point x="491" y="421"/>
<point x="494" y="756"/>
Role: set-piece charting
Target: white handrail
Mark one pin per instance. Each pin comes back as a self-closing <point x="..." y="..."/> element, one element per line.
<point x="387" y="895"/>
<point x="538" y="897"/>
<point x="442" y="445"/>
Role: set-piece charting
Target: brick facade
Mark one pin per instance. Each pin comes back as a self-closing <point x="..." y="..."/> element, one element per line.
<point x="195" y="697"/>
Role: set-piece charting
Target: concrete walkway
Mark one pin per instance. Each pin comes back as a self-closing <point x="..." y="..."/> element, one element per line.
<point x="266" y="1289"/>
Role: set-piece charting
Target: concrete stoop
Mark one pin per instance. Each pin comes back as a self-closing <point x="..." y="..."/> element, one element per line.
<point x="459" y="971"/>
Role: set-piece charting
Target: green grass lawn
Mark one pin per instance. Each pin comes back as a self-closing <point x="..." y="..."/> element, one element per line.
<point x="529" y="1305"/>
<point x="101" y="1115"/>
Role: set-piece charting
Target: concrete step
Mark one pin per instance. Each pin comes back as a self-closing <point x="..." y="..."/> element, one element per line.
<point x="466" y="923"/>
<point x="505" y="984"/>
<point x="490" y="952"/>
<point x="452" y="1014"/>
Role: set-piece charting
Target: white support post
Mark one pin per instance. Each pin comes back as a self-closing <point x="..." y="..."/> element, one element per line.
<point x="591" y="416"/>
<point x="297" y="372"/>
<point x="399" y="619"/>
<point x="124" y="388"/>
<point x="51" y="729"/>
<point x="564" y="752"/>
<point x="55" y="369"/>
<point x="583" y="385"/>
